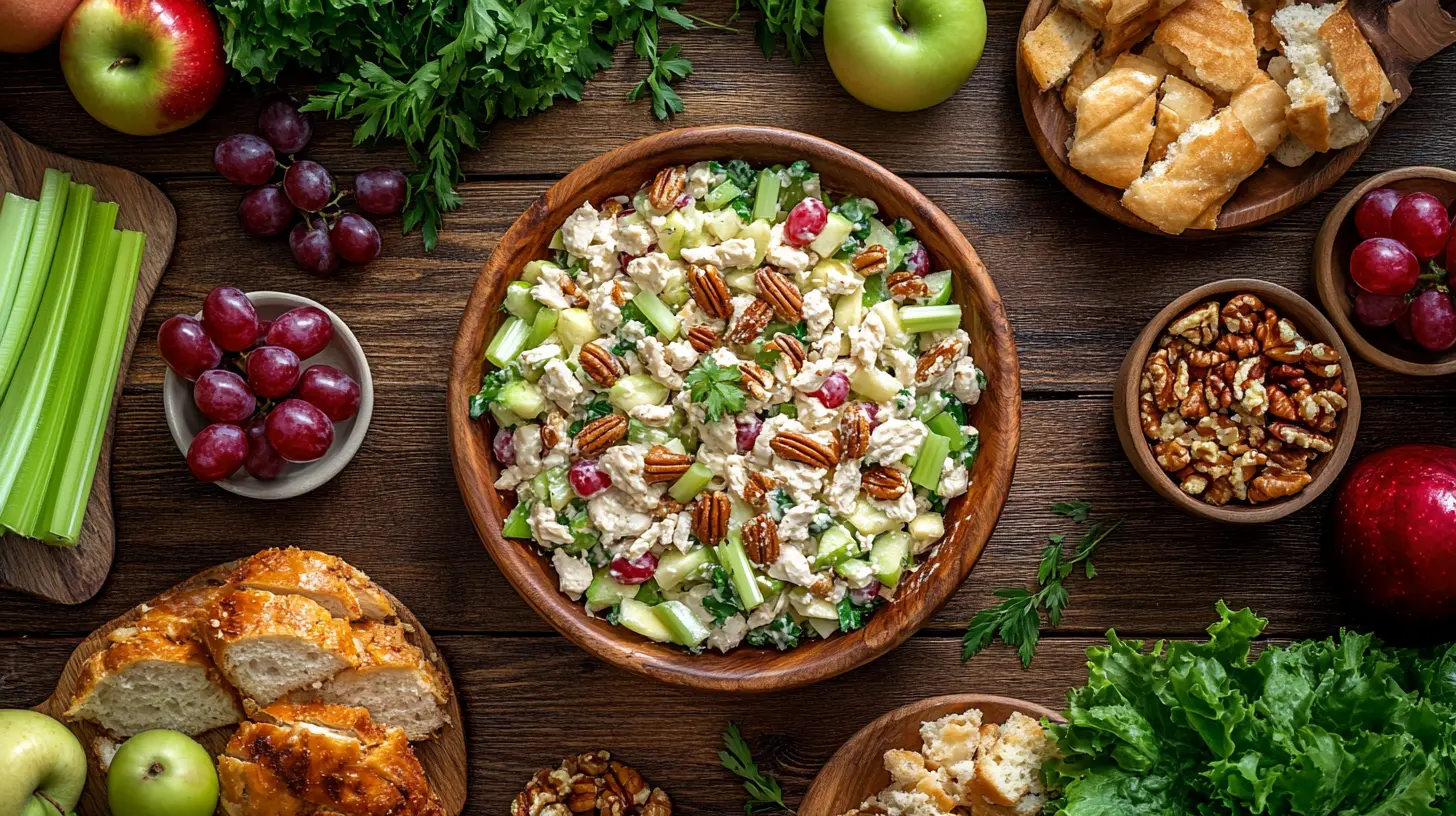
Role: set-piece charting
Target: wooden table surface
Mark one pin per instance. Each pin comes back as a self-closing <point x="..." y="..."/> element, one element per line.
<point x="1077" y="287"/>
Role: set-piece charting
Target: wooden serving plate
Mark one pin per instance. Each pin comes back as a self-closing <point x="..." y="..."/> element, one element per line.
<point x="443" y="757"/>
<point x="857" y="770"/>
<point x="1403" y="33"/>
<point x="72" y="575"/>
<point x="969" y="519"/>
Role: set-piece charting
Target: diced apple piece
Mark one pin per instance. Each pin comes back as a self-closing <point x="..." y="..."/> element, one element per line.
<point x="849" y="309"/>
<point x="895" y="334"/>
<point x="761" y="232"/>
<point x="575" y="328"/>
<point x="606" y="592"/>
<point x="522" y="399"/>
<point x="671" y="234"/>
<point x="875" y="384"/>
<point x="742" y="280"/>
<point x="532" y="270"/>
<point x="640" y="618"/>
<point x="810" y="605"/>
<point x="927" y="527"/>
<point x="870" y="520"/>
<point x="634" y="390"/>
<point x="724" y="223"/>
<point x="836" y="229"/>
<point x="819" y="275"/>
<point x="888" y="557"/>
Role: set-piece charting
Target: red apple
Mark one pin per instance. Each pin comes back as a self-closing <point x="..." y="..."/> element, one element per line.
<point x="144" y="67"/>
<point x="30" y="25"/>
<point x="1395" y="533"/>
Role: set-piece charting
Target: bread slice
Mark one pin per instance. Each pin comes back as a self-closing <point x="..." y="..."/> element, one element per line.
<point x="1355" y="66"/>
<point x="1008" y="765"/>
<point x="1053" y="47"/>
<point x="1212" y="43"/>
<point x="1182" y="105"/>
<point x="1123" y="11"/>
<point x="325" y="579"/>
<point x="146" y="680"/>
<point x="1092" y="12"/>
<point x="1207" y="163"/>
<point x="1314" y="96"/>
<point x="268" y="645"/>
<point x="1260" y="106"/>
<point x="1115" y="122"/>
<point x="1090" y="67"/>
<point x="394" y="681"/>
<point x="1119" y="38"/>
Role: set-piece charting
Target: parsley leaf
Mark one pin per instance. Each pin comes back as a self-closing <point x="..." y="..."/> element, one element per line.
<point x="723" y="600"/>
<point x="781" y="633"/>
<point x="490" y="388"/>
<point x="796" y="21"/>
<point x="765" y="795"/>
<point x="716" y="388"/>
<point x="1075" y="510"/>
<point x="739" y="172"/>
<point x="853" y="616"/>
<point x="631" y="311"/>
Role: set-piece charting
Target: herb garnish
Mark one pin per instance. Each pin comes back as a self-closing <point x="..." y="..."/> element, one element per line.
<point x="765" y="795"/>
<point x="796" y="20"/>
<point x="716" y="388"/>
<point x="1017" y="619"/>
<point x="781" y="633"/>
<point x="723" y="601"/>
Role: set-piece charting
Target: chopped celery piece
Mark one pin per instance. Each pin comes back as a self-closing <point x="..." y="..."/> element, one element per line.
<point x="719" y="196"/>
<point x="517" y="524"/>
<point x="945" y="425"/>
<point x="672" y="234"/>
<point x="643" y="619"/>
<point x="519" y="301"/>
<point x="542" y="327"/>
<point x="504" y="417"/>
<point x="522" y="398"/>
<point x="508" y="343"/>
<point x="646" y="434"/>
<point x="835" y="546"/>
<point x="657" y="312"/>
<point x="889" y="556"/>
<point x="551" y="485"/>
<point x="675" y="567"/>
<point x="22" y="510"/>
<point x="606" y="592"/>
<point x="26" y="296"/>
<point x="685" y="627"/>
<point x="637" y="389"/>
<point x="933" y="453"/>
<point x="17" y="219"/>
<point x="649" y="592"/>
<point x="66" y="504"/>
<point x="931" y="318"/>
<point x="691" y="484"/>
<point x="23" y="409"/>
<point x="734" y="559"/>
<point x="940" y="289"/>
<point x="766" y="202"/>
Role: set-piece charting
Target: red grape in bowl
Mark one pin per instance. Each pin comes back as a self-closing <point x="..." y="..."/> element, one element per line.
<point x="1372" y="214"/>
<point x="1384" y="266"/>
<point x="1421" y="223"/>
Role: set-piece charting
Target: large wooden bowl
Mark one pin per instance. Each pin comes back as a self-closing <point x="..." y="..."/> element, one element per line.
<point x="1338" y="239"/>
<point x="857" y="770"/>
<point x="1403" y="34"/>
<point x="1312" y="325"/>
<point x="969" y="520"/>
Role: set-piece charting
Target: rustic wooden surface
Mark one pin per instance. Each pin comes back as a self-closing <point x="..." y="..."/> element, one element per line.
<point x="1077" y="287"/>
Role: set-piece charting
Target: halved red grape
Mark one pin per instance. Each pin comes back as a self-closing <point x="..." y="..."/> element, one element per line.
<point x="272" y="371"/>
<point x="186" y="347"/>
<point x="306" y="330"/>
<point x="749" y="426"/>
<point x="1372" y="214"/>
<point x="312" y="249"/>
<point x="806" y="220"/>
<point x="263" y="462"/>
<point x="355" y="238"/>
<point x="217" y="452"/>
<point x="1433" y="320"/>
<point x="244" y="159"/>
<point x="834" y="391"/>
<point x="308" y="185"/>
<point x="223" y="396"/>
<point x="637" y="571"/>
<point x="586" y="478"/>
<point x="1378" y="310"/>
<point x="299" y="431"/>
<point x="330" y="390"/>
<point x="229" y="318"/>
<point x="265" y="212"/>
<point x="381" y="191"/>
<point x="287" y="129"/>
<point x="1384" y="266"/>
<point x="1420" y="221"/>
<point x="504" y="447"/>
<point x="918" y="260"/>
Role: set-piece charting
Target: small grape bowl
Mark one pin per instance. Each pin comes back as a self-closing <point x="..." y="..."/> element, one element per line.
<point x="343" y="352"/>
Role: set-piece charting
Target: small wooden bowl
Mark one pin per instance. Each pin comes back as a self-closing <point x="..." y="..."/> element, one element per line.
<point x="857" y="770"/>
<point x="1312" y="325"/>
<point x="969" y="519"/>
<point x="1338" y="238"/>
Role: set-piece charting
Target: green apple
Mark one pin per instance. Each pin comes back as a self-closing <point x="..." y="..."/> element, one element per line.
<point x="44" y="765"/>
<point x="904" y="55"/>
<point x="162" y="773"/>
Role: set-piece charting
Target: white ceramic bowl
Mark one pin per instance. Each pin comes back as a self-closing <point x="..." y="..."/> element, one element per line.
<point x="343" y="353"/>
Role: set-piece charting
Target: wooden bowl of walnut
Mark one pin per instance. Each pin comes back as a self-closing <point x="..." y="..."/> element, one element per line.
<point x="1291" y="369"/>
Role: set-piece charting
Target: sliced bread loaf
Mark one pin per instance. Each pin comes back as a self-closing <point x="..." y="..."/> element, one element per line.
<point x="394" y="680"/>
<point x="145" y="680"/>
<point x="324" y="579"/>
<point x="268" y="645"/>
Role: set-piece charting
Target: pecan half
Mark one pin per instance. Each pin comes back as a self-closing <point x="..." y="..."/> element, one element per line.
<point x="797" y="447"/>
<point x="751" y="323"/>
<point x="1277" y="483"/>
<point x="756" y="488"/>
<point x="571" y="290"/>
<point x="791" y="349"/>
<point x="600" y="434"/>
<point x="937" y="360"/>
<point x="627" y="783"/>
<point x="871" y="260"/>
<point x="757" y="382"/>
<point x="906" y="285"/>
<point x="667" y="187"/>
<point x="710" y="291"/>
<point x="710" y="517"/>
<point x="781" y="293"/>
<point x="583" y="796"/>
<point x="761" y="539"/>
<point x="600" y="364"/>
<point x="668" y="506"/>
<point x="611" y="208"/>
<point x="702" y="339"/>
<point x="549" y="437"/>
<point x="883" y="483"/>
<point x="854" y="431"/>
<point x="662" y="465"/>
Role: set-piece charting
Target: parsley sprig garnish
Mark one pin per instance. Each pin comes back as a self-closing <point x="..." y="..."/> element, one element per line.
<point x="1017" y="619"/>
<point x="717" y="388"/>
<point x="764" y="793"/>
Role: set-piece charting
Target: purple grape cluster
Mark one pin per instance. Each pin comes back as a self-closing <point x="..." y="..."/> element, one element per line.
<point x="306" y="198"/>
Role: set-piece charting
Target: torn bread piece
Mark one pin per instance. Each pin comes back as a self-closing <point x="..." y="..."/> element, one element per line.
<point x="1117" y="39"/>
<point x="145" y="680"/>
<point x="1008" y="767"/>
<point x="267" y="645"/>
<point x="1207" y="164"/>
<point x="1314" y="96"/>
<point x="1212" y="43"/>
<point x="1355" y="66"/>
<point x="1092" y="12"/>
<point x="394" y="680"/>
<point x="1115" y="122"/>
<point x="1089" y="68"/>
<point x="1260" y="105"/>
<point x="1053" y="47"/>
<point x="1124" y="11"/>
<point x="1182" y="105"/>
<point x="327" y="580"/>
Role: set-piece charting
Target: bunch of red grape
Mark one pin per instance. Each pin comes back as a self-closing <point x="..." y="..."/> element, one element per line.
<point x="326" y="233"/>
<point x="1401" y="233"/>
<point x="248" y="380"/>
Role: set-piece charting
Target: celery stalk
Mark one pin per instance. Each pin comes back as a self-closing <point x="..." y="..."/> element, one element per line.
<point x="17" y="219"/>
<point x="931" y="318"/>
<point x="71" y="488"/>
<point x="933" y="452"/>
<point x="49" y="217"/>
<point x="82" y="319"/>
<point x="24" y="405"/>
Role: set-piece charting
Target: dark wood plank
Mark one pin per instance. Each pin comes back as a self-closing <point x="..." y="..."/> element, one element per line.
<point x="980" y="130"/>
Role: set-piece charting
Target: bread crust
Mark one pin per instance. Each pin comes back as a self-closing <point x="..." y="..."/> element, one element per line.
<point x="1118" y="38"/>
<point x="1115" y="122"/>
<point x="1089" y="68"/>
<point x="1355" y="66"/>
<point x="1217" y="42"/>
<point x="1309" y="119"/>
<point x="1204" y="167"/>
<point x="1181" y="105"/>
<point x="137" y="647"/>
<point x="328" y="580"/>
<point x="1260" y="106"/>
<point x="1054" y="46"/>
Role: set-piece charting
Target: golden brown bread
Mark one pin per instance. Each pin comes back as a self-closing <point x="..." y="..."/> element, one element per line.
<point x="328" y="580"/>
<point x="1355" y="65"/>
<point x="1207" y="164"/>
<point x="1092" y="12"/>
<point x="1181" y="106"/>
<point x="394" y="680"/>
<point x="1118" y="38"/>
<point x="1115" y="122"/>
<point x="1261" y="105"/>
<point x="1089" y="68"/>
<point x="146" y="680"/>
<point x="1212" y="43"/>
<point x="1053" y="47"/>
<point x="268" y="645"/>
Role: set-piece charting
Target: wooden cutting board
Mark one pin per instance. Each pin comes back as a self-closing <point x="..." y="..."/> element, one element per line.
<point x="443" y="757"/>
<point x="73" y="575"/>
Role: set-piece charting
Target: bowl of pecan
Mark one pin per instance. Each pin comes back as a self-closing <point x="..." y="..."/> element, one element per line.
<point x="1238" y="402"/>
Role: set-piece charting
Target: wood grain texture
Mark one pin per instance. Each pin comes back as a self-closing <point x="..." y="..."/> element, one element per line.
<point x="970" y="519"/>
<point x="443" y="757"/>
<point x="1333" y="245"/>
<point x="857" y="771"/>
<point x="73" y="575"/>
<point x="1312" y="325"/>
<point x="1403" y="33"/>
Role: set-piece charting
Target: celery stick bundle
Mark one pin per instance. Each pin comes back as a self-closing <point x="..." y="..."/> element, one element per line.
<point x="67" y="280"/>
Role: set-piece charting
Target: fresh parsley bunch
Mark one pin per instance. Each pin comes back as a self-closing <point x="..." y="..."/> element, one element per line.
<point x="765" y="794"/>
<point x="717" y="388"/>
<point x="797" y="21"/>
